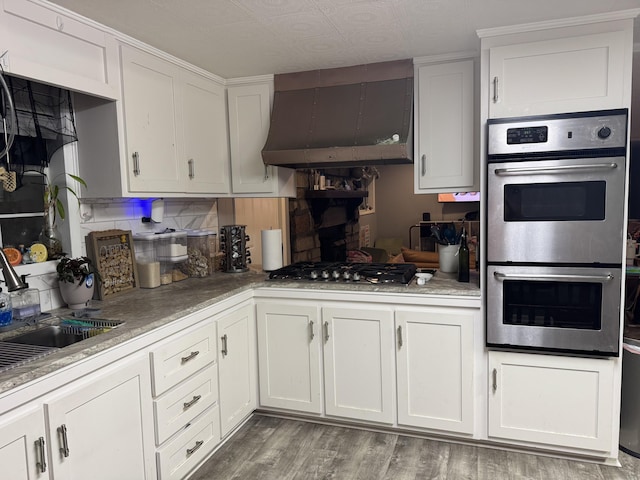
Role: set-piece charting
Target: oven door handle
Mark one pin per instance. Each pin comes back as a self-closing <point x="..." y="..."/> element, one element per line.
<point x="551" y="276"/>
<point x="554" y="169"/>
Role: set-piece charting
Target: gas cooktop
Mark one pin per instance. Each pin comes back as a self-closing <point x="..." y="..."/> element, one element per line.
<point x="343" y="272"/>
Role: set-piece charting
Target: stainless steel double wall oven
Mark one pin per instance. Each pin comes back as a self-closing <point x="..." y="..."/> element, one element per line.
<point x="555" y="230"/>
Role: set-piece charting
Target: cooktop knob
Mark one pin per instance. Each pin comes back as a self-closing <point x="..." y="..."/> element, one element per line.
<point x="604" y="132"/>
<point x="346" y="276"/>
<point x="335" y="275"/>
<point x="325" y="274"/>
<point x="313" y="274"/>
<point x="355" y="277"/>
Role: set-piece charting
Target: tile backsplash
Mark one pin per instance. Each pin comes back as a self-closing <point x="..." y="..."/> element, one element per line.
<point x="123" y="214"/>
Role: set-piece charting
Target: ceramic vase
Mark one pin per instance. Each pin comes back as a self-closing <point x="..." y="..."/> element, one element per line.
<point x="77" y="294"/>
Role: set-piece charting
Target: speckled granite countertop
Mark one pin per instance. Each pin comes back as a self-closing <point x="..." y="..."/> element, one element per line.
<point x="143" y="310"/>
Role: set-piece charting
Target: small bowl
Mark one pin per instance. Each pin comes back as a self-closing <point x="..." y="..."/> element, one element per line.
<point x="423" y="278"/>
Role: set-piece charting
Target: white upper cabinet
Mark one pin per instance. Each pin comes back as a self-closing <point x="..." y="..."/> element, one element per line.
<point x="148" y="96"/>
<point x="175" y="127"/>
<point x="45" y="45"/>
<point x="444" y="127"/>
<point x="249" y="118"/>
<point x="578" y="73"/>
<point x="204" y="130"/>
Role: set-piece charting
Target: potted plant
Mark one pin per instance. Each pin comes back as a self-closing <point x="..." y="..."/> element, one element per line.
<point x="76" y="278"/>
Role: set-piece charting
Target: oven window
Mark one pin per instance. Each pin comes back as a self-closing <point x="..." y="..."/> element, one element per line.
<point x="537" y="202"/>
<point x="553" y="304"/>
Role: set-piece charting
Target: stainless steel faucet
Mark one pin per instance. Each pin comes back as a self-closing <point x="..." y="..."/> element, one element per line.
<point x="11" y="278"/>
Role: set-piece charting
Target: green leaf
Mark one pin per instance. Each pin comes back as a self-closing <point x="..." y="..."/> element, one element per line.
<point x="60" y="208"/>
<point x="79" y="180"/>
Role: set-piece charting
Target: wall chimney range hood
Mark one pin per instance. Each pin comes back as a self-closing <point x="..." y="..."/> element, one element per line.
<point x="342" y="117"/>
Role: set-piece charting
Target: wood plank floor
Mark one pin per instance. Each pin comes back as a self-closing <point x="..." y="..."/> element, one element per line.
<point x="268" y="448"/>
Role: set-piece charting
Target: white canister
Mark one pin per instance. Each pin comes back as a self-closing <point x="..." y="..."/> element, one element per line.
<point x="448" y="258"/>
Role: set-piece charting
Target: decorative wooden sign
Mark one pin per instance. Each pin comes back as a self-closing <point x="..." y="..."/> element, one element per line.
<point x="111" y="252"/>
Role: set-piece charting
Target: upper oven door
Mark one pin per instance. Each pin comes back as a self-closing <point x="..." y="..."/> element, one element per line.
<point x="556" y="211"/>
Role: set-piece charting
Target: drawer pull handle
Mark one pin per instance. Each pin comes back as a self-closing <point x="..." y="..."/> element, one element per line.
<point x="41" y="458"/>
<point x="311" y="334"/>
<point x="191" y="356"/>
<point x="400" y="336"/>
<point x="191" y="451"/>
<point x="495" y="380"/>
<point x="225" y="350"/>
<point x="191" y="403"/>
<point x="326" y="332"/>
<point x="136" y="163"/>
<point x="62" y="433"/>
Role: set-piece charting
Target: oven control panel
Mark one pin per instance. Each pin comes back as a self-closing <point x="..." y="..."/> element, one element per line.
<point x="545" y="135"/>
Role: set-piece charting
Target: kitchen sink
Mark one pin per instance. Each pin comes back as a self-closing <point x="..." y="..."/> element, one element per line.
<point x="47" y="339"/>
<point x="49" y="336"/>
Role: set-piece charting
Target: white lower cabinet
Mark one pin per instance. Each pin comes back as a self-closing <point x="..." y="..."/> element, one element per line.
<point x="289" y="356"/>
<point x="100" y="427"/>
<point x="358" y="362"/>
<point x="237" y="366"/>
<point x="23" y="445"/>
<point x="551" y="400"/>
<point x="435" y="368"/>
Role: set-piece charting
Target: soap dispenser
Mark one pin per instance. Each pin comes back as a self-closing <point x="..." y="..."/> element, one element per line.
<point x="6" y="314"/>
<point x="25" y="303"/>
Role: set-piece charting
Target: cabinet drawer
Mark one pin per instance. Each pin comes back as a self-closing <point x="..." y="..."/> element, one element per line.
<point x="189" y="448"/>
<point x="176" y="360"/>
<point x="180" y="405"/>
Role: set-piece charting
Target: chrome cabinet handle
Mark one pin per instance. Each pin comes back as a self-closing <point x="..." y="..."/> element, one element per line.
<point x="41" y="456"/>
<point x="400" y="336"/>
<point x="326" y="332"/>
<point x="192" y="402"/>
<point x="266" y="173"/>
<point x="550" y="276"/>
<point x="225" y="350"/>
<point x="191" y="169"/>
<point x="561" y="168"/>
<point x="495" y="380"/>
<point x="191" y="356"/>
<point x="311" y="334"/>
<point x="136" y="163"/>
<point x="191" y="451"/>
<point x="423" y="164"/>
<point x="62" y="434"/>
<point x="495" y="89"/>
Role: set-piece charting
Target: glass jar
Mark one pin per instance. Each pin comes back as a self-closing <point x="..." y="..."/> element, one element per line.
<point x="212" y="240"/>
<point x="198" y="252"/>
<point x="146" y="260"/>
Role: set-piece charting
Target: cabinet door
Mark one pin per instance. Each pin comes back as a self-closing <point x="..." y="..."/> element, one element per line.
<point x="551" y="400"/>
<point x="23" y="445"/>
<point x="149" y="87"/>
<point x="289" y="356"/>
<point x="358" y="363"/>
<point x="102" y="427"/>
<point x="555" y="76"/>
<point x="205" y="163"/>
<point x="236" y="366"/>
<point x="45" y="45"/>
<point x="249" y="116"/>
<point x="435" y="368"/>
<point x="444" y="128"/>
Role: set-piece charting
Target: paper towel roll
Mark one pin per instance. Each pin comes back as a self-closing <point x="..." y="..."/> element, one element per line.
<point x="271" y="250"/>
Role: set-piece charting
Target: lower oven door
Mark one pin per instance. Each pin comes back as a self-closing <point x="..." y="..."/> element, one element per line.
<point x="571" y="309"/>
<point x="556" y="211"/>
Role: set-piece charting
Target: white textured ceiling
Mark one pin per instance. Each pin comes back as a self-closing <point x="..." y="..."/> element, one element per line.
<point x="235" y="38"/>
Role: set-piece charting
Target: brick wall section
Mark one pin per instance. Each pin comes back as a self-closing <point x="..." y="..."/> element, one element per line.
<point x="305" y="243"/>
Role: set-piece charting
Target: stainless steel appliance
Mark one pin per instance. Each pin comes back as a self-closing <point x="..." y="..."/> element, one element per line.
<point x="555" y="204"/>
<point x="345" y="272"/>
